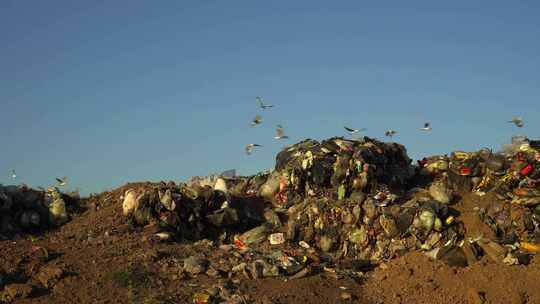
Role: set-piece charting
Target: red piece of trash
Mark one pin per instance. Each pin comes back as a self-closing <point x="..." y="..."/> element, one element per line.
<point x="465" y="171"/>
<point x="239" y="244"/>
<point x="525" y="171"/>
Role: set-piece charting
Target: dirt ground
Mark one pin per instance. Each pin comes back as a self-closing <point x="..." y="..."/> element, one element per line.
<point x="97" y="258"/>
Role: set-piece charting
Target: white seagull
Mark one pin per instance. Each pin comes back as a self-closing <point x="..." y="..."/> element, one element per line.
<point x="261" y="103"/>
<point x="517" y="121"/>
<point x="390" y="133"/>
<point x="62" y="181"/>
<point x="280" y="134"/>
<point x="13" y="174"/>
<point x="354" y="131"/>
<point x="256" y="121"/>
<point x="427" y="127"/>
<point x="249" y="148"/>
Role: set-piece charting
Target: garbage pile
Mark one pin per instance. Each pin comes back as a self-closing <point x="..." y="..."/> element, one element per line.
<point x="191" y="211"/>
<point x="326" y="203"/>
<point x="336" y="207"/>
<point x="484" y="171"/>
<point x="23" y="209"/>
<point x="336" y="200"/>
<point x="512" y="176"/>
<point x="350" y="199"/>
<point x="337" y="167"/>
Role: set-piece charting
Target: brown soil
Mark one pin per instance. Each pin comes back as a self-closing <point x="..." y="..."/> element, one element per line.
<point x="90" y="259"/>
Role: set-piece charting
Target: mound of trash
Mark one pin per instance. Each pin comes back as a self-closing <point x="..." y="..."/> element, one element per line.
<point x="329" y="204"/>
<point x="26" y="210"/>
<point x="360" y="200"/>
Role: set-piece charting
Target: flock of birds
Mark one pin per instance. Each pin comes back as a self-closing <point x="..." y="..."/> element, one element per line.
<point x="280" y="133"/>
<point x="60" y="182"/>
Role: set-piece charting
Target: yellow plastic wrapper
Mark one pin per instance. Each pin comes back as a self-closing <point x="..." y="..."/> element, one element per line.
<point x="341" y="192"/>
<point x="530" y="247"/>
<point x="201" y="298"/>
<point x="460" y="155"/>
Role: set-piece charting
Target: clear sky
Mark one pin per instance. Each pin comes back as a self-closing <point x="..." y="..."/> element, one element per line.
<point x="106" y="92"/>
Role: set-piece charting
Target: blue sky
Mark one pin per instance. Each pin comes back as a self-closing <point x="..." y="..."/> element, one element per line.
<point x="107" y="92"/>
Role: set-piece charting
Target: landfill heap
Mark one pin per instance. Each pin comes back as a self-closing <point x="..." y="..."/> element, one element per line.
<point x="344" y="197"/>
<point x="337" y="206"/>
<point x="190" y="211"/>
<point x="324" y="203"/>
<point x="360" y="200"/>
<point x="26" y="210"/>
<point x="512" y="177"/>
<point x="343" y="167"/>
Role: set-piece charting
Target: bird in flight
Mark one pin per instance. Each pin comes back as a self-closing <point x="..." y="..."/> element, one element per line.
<point x="390" y="133"/>
<point x="427" y="127"/>
<point x="256" y="121"/>
<point x="354" y="131"/>
<point x="517" y="121"/>
<point x="280" y="133"/>
<point x="249" y="148"/>
<point x="262" y="105"/>
<point x="13" y="174"/>
<point x="62" y="181"/>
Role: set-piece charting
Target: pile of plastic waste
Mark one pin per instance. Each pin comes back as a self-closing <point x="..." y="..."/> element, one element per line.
<point x="23" y="209"/>
<point x="359" y="199"/>
<point x="332" y="201"/>
<point x="512" y="177"/>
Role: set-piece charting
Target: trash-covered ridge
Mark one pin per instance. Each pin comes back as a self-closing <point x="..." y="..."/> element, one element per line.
<point x="326" y="204"/>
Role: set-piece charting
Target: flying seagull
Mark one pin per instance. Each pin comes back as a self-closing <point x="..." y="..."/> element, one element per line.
<point x="62" y="181"/>
<point x="262" y="105"/>
<point x="427" y="127"/>
<point x="354" y="131"/>
<point x="13" y="174"/>
<point x="390" y="133"/>
<point x="280" y="134"/>
<point x="517" y="121"/>
<point x="256" y="121"/>
<point x="249" y="148"/>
